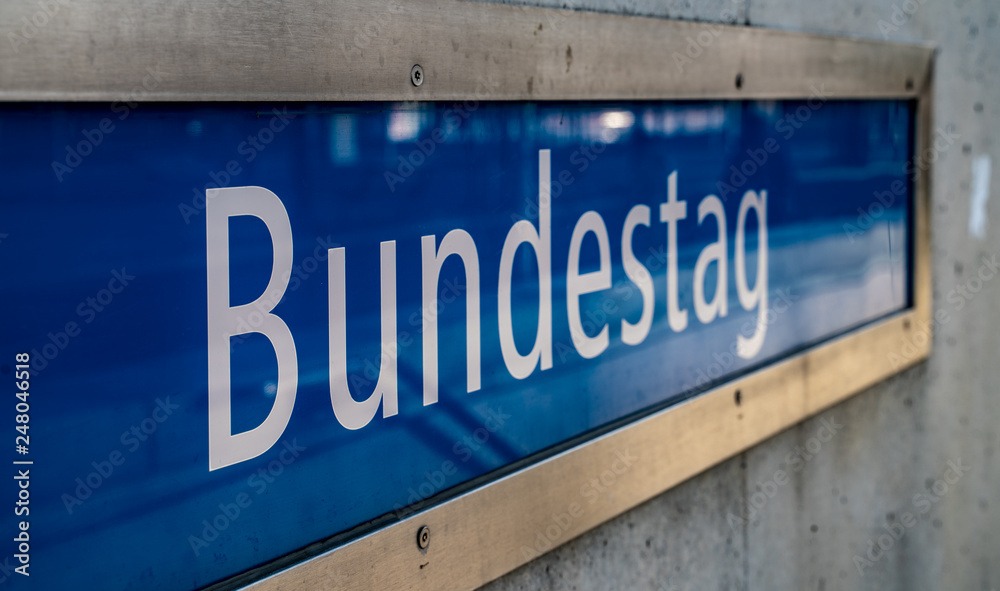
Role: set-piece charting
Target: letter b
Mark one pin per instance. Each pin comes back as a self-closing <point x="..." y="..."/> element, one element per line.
<point x="562" y="520"/>
<point x="769" y="488"/>
<point x="51" y="7"/>
<point x="885" y="197"/>
<point x="405" y="169"/>
<point x="59" y="339"/>
<point x="895" y="529"/>
<point x="759" y="155"/>
<point x="436" y="478"/>
<point x="82" y="491"/>
<point x="94" y="136"/>
<point x="693" y="48"/>
<point x="230" y="510"/>
<point x="103" y="468"/>
<point x="73" y="159"/>
<point x="426" y="146"/>
<point x="209" y="534"/>
<point x="225" y="321"/>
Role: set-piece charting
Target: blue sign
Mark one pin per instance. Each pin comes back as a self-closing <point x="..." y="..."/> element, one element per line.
<point x="233" y="330"/>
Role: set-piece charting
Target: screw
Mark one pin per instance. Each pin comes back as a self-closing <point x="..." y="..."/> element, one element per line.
<point x="423" y="537"/>
<point x="417" y="75"/>
<point x="739" y="80"/>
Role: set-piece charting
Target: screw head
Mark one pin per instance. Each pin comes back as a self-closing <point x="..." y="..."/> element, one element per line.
<point x="423" y="537"/>
<point x="417" y="75"/>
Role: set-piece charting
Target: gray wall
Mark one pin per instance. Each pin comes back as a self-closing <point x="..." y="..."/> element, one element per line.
<point x="898" y="437"/>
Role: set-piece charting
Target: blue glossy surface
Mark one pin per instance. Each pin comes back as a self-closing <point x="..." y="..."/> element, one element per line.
<point x="134" y="206"/>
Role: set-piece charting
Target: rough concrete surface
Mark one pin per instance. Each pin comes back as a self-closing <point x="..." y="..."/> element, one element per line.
<point x="897" y="438"/>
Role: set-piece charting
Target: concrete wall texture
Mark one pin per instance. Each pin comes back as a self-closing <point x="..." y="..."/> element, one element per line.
<point x="822" y="530"/>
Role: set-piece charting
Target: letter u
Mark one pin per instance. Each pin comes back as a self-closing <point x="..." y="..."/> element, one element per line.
<point x="351" y="413"/>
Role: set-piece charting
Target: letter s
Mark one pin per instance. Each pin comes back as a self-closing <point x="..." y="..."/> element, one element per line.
<point x="922" y="503"/>
<point x="581" y="163"/>
<point x="461" y="450"/>
<point x="88" y="314"/>
<point x="130" y="441"/>
<point x="956" y="300"/>
<point x="256" y="483"/>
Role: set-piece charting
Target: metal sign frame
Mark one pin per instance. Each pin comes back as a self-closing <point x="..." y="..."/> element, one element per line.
<point x="336" y="50"/>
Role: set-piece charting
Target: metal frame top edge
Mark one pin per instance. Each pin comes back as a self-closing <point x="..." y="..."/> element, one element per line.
<point x="339" y="50"/>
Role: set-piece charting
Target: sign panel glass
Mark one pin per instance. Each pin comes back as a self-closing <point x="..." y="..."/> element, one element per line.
<point x="242" y="329"/>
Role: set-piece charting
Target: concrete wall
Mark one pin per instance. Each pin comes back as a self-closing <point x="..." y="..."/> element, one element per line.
<point x="898" y="437"/>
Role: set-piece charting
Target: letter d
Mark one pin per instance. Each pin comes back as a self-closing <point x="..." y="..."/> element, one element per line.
<point x="224" y="448"/>
<point x="540" y="239"/>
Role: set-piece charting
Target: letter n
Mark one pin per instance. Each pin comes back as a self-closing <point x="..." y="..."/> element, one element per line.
<point x="460" y="243"/>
